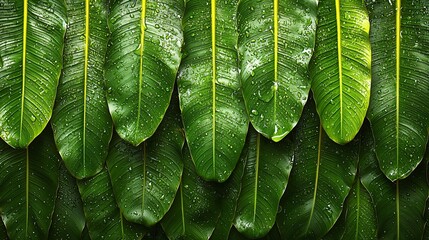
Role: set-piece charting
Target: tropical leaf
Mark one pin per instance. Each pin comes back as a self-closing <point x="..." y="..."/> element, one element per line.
<point x="272" y="235"/>
<point x="141" y="64"/>
<point x="400" y="205"/>
<point x="341" y="68"/>
<point x="81" y="120"/>
<point x="29" y="183"/>
<point x="104" y="220"/>
<point x="213" y="111"/>
<point x="31" y="46"/>
<point x="68" y="220"/>
<point x="195" y="209"/>
<point x="321" y="178"/>
<point x="399" y="113"/>
<point x="275" y="45"/>
<point x="145" y="178"/>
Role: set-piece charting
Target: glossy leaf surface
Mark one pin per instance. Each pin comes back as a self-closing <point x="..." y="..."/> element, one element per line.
<point x="321" y="178"/>
<point x="213" y="111"/>
<point x="81" y="120"/>
<point x="145" y="179"/>
<point x="195" y="209"/>
<point x="104" y="220"/>
<point x="275" y="45"/>
<point x="341" y="67"/>
<point x="29" y="183"/>
<point x="266" y="175"/>
<point x="399" y="113"/>
<point x="31" y="61"/>
<point x="141" y="64"/>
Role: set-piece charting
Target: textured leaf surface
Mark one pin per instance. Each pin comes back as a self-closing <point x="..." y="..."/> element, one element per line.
<point x="399" y="205"/>
<point x="341" y="67"/>
<point x="145" y="179"/>
<point x="31" y="36"/>
<point x="28" y="187"/>
<point x="103" y="217"/>
<point x="81" y="120"/>
<point x="399" y="113"/>
<point x="212" y="107"/>
<point x="321" y="178"/>
<point x="141" y="64"/>
<point x="275" y="45"/>
<point x="195" y="209"/>
<point x="68" y="220"/>
<point x="266" y="175"/>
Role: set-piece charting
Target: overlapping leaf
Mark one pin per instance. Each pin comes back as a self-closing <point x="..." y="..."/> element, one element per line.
<point x="275" y="45"/>
<point x="141" y="64"/>
<point x="31" y="46"/>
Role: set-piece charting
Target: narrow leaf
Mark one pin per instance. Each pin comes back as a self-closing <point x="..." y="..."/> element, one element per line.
<point x="81" y="121"/>
<point x="399" y="113"/>
<point x="31" y="37"/>
<point x="341" y="67"/>
<point x="141" y="64"/>
<point x="275" y="45"/>
<point x="213" y="111"/>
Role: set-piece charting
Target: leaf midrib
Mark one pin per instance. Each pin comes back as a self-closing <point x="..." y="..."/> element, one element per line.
<point x="213" y="35"/>
<point x="398" y="65"/>
<point x="255" y="191"/>
<point x="86" y="52"/>
<point x="340" y="63"/>
<point x="276" y="46"/>
<point x="24" y="63"/>
<point x="142" y="36"/>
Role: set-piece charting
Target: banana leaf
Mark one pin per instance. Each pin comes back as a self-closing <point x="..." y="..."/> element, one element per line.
<point x="81" y="120"/>
<point x="400" y="205"/>
<point x="29" y="183"/>
<point x="213" y="111"/>
<point x="399" y="113"/>
<point x="341" y="68"/>
<point x="31" y="37"/>
<point x="195" y="209"/>
<point x="68" y="220"/>
<point x="275" y="44"/>
<point x="141" y="64"/>
<point x="265" y="178"/>
<point x="104" y="220"/>
<point x="321" y="179"/>
<point x="145" y="178"/>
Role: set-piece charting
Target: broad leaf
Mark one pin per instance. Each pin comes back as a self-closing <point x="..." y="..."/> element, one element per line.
<point x="69" y="220"/>
<point x="400" y="205"/>
<point x="341" y="67"/>
<point x="81" y="120"/>
<point x="321" y="178"/>
<point x="141" y="64"/>
<point x="213" y="111"/>
<point x="145" y="179"/>
<point x="195" y="209"/>
<point x="31" y="37"/>
<point x="266" y="175"/>
<point x="399" y="113"/>
<point x="104" y="220"/>
<point x="275" y="45"/>
<point x="28" y="187"/>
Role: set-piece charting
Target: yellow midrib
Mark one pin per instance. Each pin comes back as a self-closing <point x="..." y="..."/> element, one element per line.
<point x="340" y="61"/>
<point x="398" y="65"/>
<point x="255" y="191"/>
<point x="86" y="51"/>
<point x="276" y="46"/>
<point x="24" y="63"/>
<point x="142" y="35"/>
<point x="213" y="29"/>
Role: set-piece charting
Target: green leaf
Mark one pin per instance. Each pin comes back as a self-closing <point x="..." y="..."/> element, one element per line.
<point x="103" y="217"/>
<point x="321" y="178"/>
<point x="195" y="209"/>
<point x="275" y="45"/>
<point x="29" y="183"/>
<point x="31" y="37"/>
<point x="213" y="111"/>
<point x="341" y="68"/>
<point x="141" y="64"/>
<point x="399" y="205"/>
<point x="69" y="220"/>
<point x="81" y="120"/>
<point x="145" y="179"/>
<point x="266" y="174"/>
<point x="399" y="113"/>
